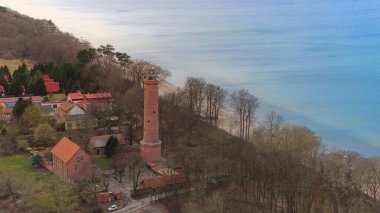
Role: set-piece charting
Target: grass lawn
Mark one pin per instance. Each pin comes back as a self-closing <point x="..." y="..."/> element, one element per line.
<point x="56" y="97"/>
<point x="35" y="186"/>
<point x="22" y="164"/>
<point x="102" y="162"/>
<point x="14" y="63"/>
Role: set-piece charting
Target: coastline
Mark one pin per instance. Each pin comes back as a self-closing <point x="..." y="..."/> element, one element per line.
<point x="228" y="120"/>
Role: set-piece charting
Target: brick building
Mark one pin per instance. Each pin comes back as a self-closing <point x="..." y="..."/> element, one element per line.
<point x="151" y="145"/>
<point x="70" y="162"/>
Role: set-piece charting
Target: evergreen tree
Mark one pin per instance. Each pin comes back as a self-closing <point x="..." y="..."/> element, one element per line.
<point x="108" y="51"/>
<point x="5" y="78"/>
<point x="15" y="87"/>
<point x="39" y="87"/>
<point x="124" y="59"/>
<point x="4" y="70"/>
<point x="36" y="160"/>
<point x="111" y="146"/>
<point x="20" y="79"/>
<point x="86" y="55"/>
<point x="20" y="107"/>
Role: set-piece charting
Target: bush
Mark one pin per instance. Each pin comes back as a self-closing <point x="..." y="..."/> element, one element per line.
<point x="22" y="145"/>
<point x="44" y="134"/>
<point x="36" y="161"/>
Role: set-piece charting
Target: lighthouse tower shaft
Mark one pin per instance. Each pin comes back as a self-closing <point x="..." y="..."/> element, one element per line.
<point x="150" y="145"/>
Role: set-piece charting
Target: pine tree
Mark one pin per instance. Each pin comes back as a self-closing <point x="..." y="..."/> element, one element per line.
<point x="20" y="107"/>
<point x="39" y="87"/>
<point x="111" y="146"/>
<point x="20" y="78"/>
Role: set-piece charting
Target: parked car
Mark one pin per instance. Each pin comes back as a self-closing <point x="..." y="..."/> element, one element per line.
<point x="112" y="208"/>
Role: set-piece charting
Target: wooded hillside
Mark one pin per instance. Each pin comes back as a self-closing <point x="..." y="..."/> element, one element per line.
<point x="40" y="40"/>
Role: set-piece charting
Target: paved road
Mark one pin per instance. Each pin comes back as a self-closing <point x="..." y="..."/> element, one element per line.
<point x="134" y="204"/>
<point x="115" y="187"/>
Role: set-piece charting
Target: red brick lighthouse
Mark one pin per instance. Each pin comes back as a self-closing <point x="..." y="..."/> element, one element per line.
<point x="151" y="145"/>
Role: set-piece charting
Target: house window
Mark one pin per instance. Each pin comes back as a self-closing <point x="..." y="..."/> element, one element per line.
<point x="79" y="158"/>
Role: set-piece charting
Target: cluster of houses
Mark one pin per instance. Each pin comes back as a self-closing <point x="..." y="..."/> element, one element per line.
<point x="74" y="112"/>
<point x="71" y="163"/>
<point x="7" y="105"/>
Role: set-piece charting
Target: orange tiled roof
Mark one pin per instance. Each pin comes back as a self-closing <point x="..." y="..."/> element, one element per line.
<point x="65" y="149"/>
<point x="75" y="95"/>
<point x="103" y="95"/>
<point x="66" y="106"/>
<point x="7" y="110"/>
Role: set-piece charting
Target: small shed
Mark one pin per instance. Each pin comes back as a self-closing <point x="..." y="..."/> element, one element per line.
<point x="98" y="143"/>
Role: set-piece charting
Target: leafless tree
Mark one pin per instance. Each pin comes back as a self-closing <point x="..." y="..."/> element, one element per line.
<point x="194" y="90"/>
<point x="172" y="115"/>
<point x="215" y="97"/>
<point x="139" y="68"/>
<point x="119" y="161"/>
<point x="245" y="105"/>
<point x="135" y="165"/>
<point x="39" y="40"/>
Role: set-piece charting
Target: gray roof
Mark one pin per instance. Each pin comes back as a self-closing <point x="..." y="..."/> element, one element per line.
<point x="79" y="117"/>
<point x="47" y="109"/>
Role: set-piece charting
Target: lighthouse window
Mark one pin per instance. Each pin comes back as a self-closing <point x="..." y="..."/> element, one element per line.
<point x="148" y="121"/>
<point x="154" y="112"/>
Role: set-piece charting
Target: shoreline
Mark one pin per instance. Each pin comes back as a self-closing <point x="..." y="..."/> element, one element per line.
<point x="228" y="120"/>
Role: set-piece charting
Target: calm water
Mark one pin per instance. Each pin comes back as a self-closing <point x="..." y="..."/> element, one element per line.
<point x="315" y="62"/>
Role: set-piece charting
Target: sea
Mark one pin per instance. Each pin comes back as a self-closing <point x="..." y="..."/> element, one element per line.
<point x="317" y="63"/>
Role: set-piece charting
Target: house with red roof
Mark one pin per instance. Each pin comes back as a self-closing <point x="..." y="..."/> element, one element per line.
<point x="78" y="97"/>
<point x="69" y="161"/>
<point x="50" y="85"/>
<point x="75" y="97"/>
